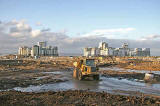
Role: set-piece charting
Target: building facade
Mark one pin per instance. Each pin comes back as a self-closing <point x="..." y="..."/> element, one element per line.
<point x="104" y="50"/>
<point x="25" y="51"/>
<point x="91" y="52"/>
<point x="35" y="50"/>
<point x="41" y="49"/>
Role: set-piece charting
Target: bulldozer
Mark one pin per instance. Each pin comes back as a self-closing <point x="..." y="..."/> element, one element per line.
<point x="85" y="68"/>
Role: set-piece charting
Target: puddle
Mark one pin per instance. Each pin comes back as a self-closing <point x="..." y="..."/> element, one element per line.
<point x="39" y="78"/>
<point x="56" y="72"/>
<point x="61" y="86"/>
<point x="107" y="84"/>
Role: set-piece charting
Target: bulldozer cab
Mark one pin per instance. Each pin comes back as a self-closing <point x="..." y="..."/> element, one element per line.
<point x="89" y="62"/>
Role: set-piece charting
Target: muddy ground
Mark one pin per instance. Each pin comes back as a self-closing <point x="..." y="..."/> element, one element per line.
<point x="130" y="75"/>
<point x="9" y="80"/>
<point x="23" y="73"/>
<point x="140" y="65"/>
<point x="74" y="98"/>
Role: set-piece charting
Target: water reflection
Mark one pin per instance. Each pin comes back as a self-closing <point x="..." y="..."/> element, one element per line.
<point x="92" y="85"/>
<point x="108" y="84"/>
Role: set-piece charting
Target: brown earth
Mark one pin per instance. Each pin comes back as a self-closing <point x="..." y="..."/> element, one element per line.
<point x="124" y="74"/>
<point x="73" y="98"/>
<point x="22" y="73"/>
<point x="14" y="65"/>
<point x="130" y="75"/>
<point x="143" y="65"/>
<point x="9" y="80"/>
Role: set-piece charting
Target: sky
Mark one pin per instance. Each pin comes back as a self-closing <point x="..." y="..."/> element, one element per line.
<point x="74" y="24"/>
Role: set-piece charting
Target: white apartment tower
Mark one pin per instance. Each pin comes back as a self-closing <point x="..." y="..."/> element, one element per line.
<point x="104" y="50"/>
<point x="35" y="50"/>
<point x="25" y="51"/>
<point x="103" y="45"/>
<point x="42" y="44"/>
<point x="41" y="49"/>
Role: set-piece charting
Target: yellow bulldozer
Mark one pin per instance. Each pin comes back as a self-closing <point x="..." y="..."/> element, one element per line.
<point x="85" y="68"/>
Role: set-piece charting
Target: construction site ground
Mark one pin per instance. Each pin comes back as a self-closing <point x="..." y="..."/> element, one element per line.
<point x="50" y="82"/>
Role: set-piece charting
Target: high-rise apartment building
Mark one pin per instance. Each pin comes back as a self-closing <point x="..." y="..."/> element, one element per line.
<point x="42" y="44"/>
<point x="104" y="50"/>
<point x="41" y="49"/>
<point x="35" y="50"/>
<point x="25" y="51"/>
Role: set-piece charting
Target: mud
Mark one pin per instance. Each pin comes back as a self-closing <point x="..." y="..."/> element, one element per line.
<point x="9" y="80"/>
<point x="129" y="74"/>
<point x="74" y="98"/>
<point x="32" y="64"/>
<point x="22" y="73"/>
<point x="140" y="65"/>
<point x="53" y="82"/>
<point x="114" y="85"/>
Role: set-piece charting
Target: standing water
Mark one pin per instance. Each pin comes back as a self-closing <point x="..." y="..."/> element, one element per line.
<point x="107" y="84"/>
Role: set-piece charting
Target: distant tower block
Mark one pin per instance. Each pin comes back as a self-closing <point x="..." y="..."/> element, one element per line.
<point x="35" y="50"/>
<point x="42" y="44"/>
<point x="125" y="45"/>
<point x="103" y="45"/>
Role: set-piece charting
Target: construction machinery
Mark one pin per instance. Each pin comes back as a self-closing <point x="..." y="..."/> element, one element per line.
<point x="85" y="68"/>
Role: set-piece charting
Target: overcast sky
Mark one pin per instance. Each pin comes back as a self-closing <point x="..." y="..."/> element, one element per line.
<point x="74" y="24"/>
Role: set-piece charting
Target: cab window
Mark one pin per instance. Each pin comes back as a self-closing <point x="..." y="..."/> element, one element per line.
<point x="90" y="62"/>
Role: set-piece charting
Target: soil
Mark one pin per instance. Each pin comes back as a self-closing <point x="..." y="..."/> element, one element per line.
<point x="124" y="74"/>
<point x="130" y="75"/>
<point x="22" y="73"/>
<point x="73" y="98"/>
<point x="150" y="66"/>
<point x="9" y="80"/>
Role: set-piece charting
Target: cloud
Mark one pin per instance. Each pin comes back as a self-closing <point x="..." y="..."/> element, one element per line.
<point x="109" y="33"/>
<point x="39" y="24"/>
<point x="45" y="30"/>
<point x="14" y="34"/>
<point x="35" y="33"/>
<point x="16" y="28"/>
<point x="21" y="29"/>
<point x="151" y="37"/>
<point x="18" y="33"/>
